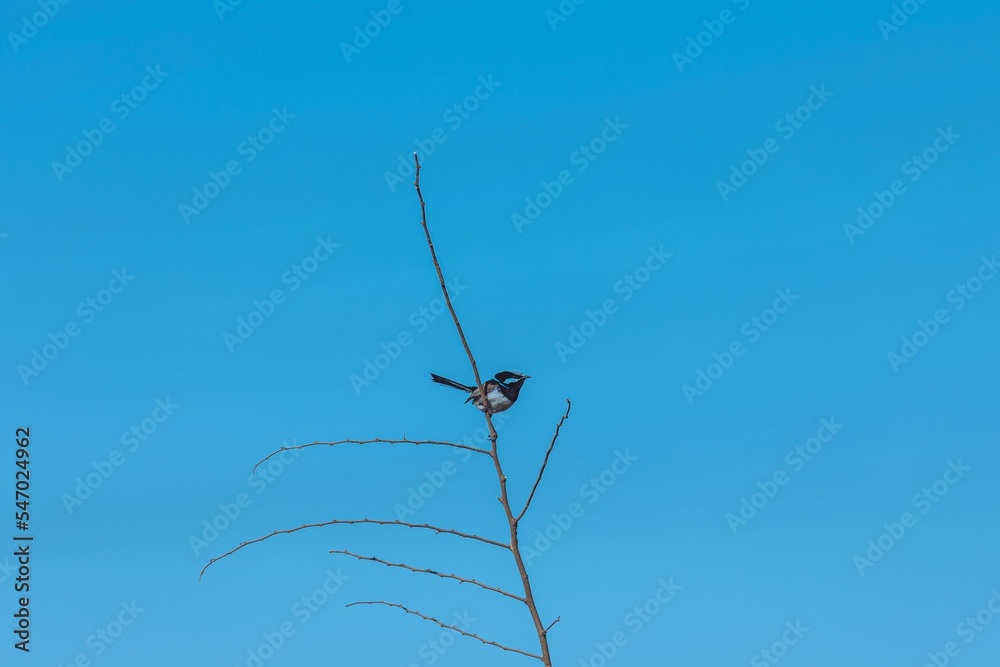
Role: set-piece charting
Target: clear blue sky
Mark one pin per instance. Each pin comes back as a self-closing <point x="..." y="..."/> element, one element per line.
<point x="754" y="242"/>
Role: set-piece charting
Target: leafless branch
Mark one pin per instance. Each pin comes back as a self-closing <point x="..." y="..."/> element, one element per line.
<point x="545" y="461"/>
<point x="447" y="627"/>
<point x="334" y="522"/>
<point x="403" y="441"/>
<point x="443" y="575"/>
<point x="514" y="547"/>
<point x="444" y="286"/>
<point x="512" y="521"/>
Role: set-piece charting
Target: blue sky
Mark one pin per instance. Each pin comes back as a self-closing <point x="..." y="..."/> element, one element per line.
<point x="753" y="242"/>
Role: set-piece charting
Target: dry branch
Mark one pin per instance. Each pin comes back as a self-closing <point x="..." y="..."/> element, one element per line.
<point x="444" y="291"/>
<point x="447" y="627"/>
<point x="443" y="575"/>
<point x="514" y="547"/>
<point x="545" y="461"/>
<point x="334" y="522"/>
<point x="512" y="521"/>
<point x="403" y="441"/>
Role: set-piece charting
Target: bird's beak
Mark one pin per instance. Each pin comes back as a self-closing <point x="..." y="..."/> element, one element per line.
<point x="526" y="377"/>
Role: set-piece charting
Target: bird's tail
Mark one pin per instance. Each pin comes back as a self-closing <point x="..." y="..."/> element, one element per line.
<point x="450" y="383"/>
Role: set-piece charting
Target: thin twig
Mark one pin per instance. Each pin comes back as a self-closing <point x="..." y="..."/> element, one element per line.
<point x="403" y="441"/>
<point x="447" y="627"/>
<point x="444" y="286"/>
<point x="333" y="522"/>
<point x="551" y="624"/>
<point x="443" y="575"/>
<point x="545" y="460"/>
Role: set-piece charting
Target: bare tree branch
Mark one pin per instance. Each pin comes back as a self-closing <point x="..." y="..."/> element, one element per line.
<point x="403" y="441"/>
<point x="443" y="575"/>
<point x="447" y="627"/>
<point x="512" y="521"/>
<point x="545" y="460"/>
<point x="514" y="547"/>
<point x="334" y="522"/>
<point x="444" y="287"/>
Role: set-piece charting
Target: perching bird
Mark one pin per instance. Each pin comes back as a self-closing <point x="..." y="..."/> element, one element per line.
<point x="501" y="392"/>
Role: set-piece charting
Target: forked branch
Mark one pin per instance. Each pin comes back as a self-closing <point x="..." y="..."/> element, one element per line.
<point x="447" y="627"/>
<point x="512" y="521"/>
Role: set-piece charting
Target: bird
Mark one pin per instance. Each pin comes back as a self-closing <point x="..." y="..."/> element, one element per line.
<point x="501" y="393"/>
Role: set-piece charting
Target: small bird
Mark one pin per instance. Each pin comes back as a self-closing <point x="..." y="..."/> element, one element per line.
<point x="500" y="393"/>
